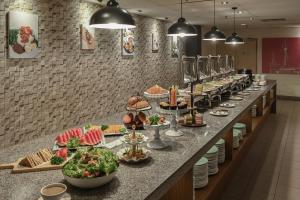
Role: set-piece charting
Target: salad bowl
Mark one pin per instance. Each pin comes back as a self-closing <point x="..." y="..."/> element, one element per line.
<point x="91" y="167"/>
<point x="88" y="183"/>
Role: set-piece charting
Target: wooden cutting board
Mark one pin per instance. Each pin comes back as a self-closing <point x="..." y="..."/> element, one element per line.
<point x="17" y="168"/>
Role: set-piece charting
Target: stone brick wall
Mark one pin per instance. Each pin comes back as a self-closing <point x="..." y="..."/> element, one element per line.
<point x="66" y="86"/>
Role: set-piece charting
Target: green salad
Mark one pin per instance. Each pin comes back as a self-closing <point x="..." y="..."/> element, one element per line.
<point x="91" y="162"/>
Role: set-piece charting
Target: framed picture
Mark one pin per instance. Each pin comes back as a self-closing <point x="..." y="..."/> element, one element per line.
<point x="23" y="35"/>
<point x="128" y="42"/>
<point x="87" y="37"/>
<point x="174" y="47"/>
<point x="281" y="55"/>
<point x="155" y="45"/>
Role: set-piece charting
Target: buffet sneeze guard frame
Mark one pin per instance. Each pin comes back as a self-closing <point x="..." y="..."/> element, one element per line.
<point x="203" y="67"/>
<point x="189" y="69"/>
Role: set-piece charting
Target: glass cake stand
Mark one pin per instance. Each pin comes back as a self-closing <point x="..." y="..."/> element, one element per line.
<point x="173" y="131"/>
<point x="156" y="142"/>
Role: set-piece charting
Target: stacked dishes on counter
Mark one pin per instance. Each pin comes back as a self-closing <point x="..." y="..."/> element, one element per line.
<point x="236" y="140"/>
<point x="200" y="173"/>
<point x="240" y="126"/>
<point x="212" y="157"/>
<point x="221" y="151"/>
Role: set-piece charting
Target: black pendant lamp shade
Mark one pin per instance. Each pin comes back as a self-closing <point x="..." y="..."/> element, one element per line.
<point x="214" y="33"/>
<point x="112" y="17"/>
<point x="181" y="28"/>
<point x="234" y="38"/>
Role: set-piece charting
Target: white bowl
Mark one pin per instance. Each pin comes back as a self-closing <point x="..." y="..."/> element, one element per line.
<point x="53" y="196"/>
<point x="90" y="182"/>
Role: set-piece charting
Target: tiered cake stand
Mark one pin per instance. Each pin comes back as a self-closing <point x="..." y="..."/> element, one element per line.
<point x="157" y="143"/>
<point x="173" y="131"/>
<point x="156" y="97"/>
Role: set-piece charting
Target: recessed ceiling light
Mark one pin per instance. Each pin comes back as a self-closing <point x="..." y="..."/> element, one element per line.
<point x="243" y="24"/>
<point x="239" y="12"/>
<point x="224" y="2"/>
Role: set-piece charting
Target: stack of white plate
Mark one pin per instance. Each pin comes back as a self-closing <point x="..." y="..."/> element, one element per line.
<point x="212" y="157"/>
<point x="221" y="150"/>
<point x="236" y="140"/>
<point x="240" y="134"/>
<point x="242" y="127"/>
<point x="200" y="173"/>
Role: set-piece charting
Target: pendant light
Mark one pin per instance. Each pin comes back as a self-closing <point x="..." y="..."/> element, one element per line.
<point x="181" y="28"/>
<point x="234" y="38"/>
<point x="112" y="17"/>
<point x="214" y="34"/>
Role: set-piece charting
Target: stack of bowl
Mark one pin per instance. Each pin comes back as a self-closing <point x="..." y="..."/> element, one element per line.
<point x="212" y="157"/>
<point x="236" y="140"/>
<point x="242" y="127"/>
<point x="200" y="173"/>
<point x="221" y="150"/>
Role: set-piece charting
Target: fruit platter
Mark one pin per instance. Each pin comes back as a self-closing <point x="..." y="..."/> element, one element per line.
<point x="91" y="167"/>
<point x="75" y="137"/>
<point x="108" y="130"/>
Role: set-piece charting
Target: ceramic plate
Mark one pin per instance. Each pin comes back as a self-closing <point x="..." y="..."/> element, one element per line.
<point x="227" y="105"/>
<point x="219" y="113"/>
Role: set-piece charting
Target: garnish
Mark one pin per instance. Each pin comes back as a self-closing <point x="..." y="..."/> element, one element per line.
<point x="154" y="119"/>
<point x="73" y="143"/>
<point x="104" y="127"/>
<point x="55" y="160"/>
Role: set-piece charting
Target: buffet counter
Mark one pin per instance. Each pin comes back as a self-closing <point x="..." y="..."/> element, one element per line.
<point x="155" y="179"/>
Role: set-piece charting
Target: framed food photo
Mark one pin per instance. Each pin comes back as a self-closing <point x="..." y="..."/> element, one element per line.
<point x="23" y="35"/>
<point x="87" y="37"/>
<point x="127" y="42"/>
<point x="155" y="45"/>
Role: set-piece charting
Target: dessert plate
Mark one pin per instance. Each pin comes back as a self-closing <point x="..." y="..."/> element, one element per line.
<point x="236" y="98"/>
<point x="227" y="105"/>
<point x="219" y="113"/>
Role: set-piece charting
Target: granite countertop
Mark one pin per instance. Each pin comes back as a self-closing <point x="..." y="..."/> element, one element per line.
<point x="147" y="181"/>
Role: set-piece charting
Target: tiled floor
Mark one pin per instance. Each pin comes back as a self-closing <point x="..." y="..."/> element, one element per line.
<point x="271" y="169"/>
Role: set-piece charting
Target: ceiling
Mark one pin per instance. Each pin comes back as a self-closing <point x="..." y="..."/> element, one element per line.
<point x="202" y="12"/>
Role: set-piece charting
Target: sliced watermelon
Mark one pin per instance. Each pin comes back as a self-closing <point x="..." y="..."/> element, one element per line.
<point x="92" y="137"/>
<point x="63" y="138"/>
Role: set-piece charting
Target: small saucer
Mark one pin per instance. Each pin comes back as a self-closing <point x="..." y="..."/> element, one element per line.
<point x="66" y="196"/>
